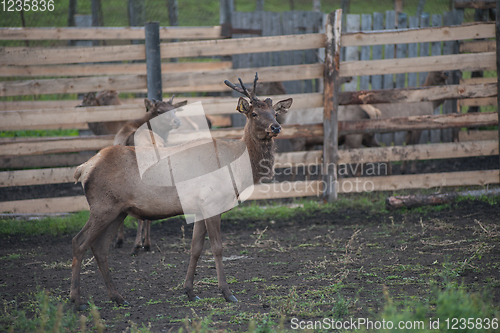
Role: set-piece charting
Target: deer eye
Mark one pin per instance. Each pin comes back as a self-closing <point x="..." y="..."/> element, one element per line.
<point x="254" y="114"/>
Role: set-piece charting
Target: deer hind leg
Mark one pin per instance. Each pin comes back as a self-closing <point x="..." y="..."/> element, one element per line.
<point x="120" y="237"/>
<point x="199" y="232"/>
<point x="213" y="228"/>
<point x="138" y="238"/>
<point x="147" y="235"/>
<point x="80" y="243"/>
<point x="100" y="249"/>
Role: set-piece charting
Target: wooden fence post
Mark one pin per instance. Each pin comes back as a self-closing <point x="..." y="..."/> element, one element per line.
<point x="153" y="60"/>
<point x="497" y="33"/>
<point x="330" y="114"/>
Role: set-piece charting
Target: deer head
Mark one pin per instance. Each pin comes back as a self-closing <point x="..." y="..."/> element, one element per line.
<point x="437" y="78"/>
<point x="88" y="100"/>
<point x="156" y="108"/>
<point x="108" y="97"/>
<point x="261" y="115"/>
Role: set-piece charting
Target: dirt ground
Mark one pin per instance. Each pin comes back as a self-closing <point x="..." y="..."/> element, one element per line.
<point x="305" y="268"/>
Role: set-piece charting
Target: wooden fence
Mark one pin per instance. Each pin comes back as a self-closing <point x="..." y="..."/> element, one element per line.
<point x="62" y="114"/>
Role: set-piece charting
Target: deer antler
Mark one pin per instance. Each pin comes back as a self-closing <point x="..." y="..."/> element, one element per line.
<point x="255" y="85"/>
<point x="243" y="90"/>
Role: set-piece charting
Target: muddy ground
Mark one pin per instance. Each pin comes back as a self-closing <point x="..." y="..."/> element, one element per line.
<point x="310" y="267"/>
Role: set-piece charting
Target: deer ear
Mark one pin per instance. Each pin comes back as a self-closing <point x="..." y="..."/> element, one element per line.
<point x="149" y="104"/>
<point x="243" y="106"/>
<point x="283" y="106"/>
<point x="90" y="95"/>
<point x="178" y="105"/>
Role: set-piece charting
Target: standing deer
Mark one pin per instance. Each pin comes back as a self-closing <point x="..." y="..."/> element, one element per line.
<point x="106" y="97"/>
<point x="127" y="136"/>
<point x="114" y="189"/>
<point x="437" y="78"/>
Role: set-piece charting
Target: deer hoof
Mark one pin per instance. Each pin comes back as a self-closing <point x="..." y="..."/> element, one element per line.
<point x="232" y="299"/>
<point x="147" y="247"/>
<point x="119" y="243"/>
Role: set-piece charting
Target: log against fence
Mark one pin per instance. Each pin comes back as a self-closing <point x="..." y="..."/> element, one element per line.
<point x="18" y="116"/>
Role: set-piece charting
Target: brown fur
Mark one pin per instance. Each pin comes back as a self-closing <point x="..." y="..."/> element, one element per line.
<point x="107" y="97"/>
<point x="114" y="189"/>
<point x="126" y="137"/>
<point x="437" y="78"/>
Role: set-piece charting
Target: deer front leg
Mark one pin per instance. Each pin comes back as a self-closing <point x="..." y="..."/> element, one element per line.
<point x="138" y="238"/>
<point x="199" y="232"/>
<point x="213" y="228"/>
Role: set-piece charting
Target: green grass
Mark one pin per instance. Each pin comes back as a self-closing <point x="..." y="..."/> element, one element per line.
<point x="371" y="203"/>
<point x="51" y="225"/>
<point x="200" y="13"/>
<point x="38" y="133"/>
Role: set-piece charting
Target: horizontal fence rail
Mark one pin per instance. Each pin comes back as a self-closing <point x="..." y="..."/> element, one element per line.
<point x="33" y="62"/>
<point x="72" y="144"/>
<point x="294" y="160"/>
<point x="421" y="35"/>
<point x="107" y="33"/>
<point x="109" y="69"/>
<point x="287" y="190"/>
<point x="70" y="55"/>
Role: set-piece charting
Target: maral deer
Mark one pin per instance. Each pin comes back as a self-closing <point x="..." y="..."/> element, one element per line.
<point x="114" y="189"/>
<point x="128" y="136"/>
<point x="437" y="78"/>
<point x="107" y="97"/>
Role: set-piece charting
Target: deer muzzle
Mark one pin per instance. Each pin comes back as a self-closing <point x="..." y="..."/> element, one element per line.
<point x="276" y="129"/>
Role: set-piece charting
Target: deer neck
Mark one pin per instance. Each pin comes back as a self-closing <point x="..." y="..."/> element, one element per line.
<point x="261" y="153"/>
<point x="147" y="117"/>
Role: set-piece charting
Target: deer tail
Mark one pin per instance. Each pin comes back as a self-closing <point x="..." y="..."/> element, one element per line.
<point x="78" y="173"/>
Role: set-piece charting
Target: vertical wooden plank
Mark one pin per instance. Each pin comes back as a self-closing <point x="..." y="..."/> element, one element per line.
<point x="321" y="52"/>
<point x="366" y="25"/>
<point x="330" y="115"/>
<point x="448" y="46"/>
<point x="378" y="24"/>
<point x="288" y="57"/>
<point x="376" y="80"/>
<point x="412" y="52"/>
<point x="458" y="18"/>
<point x="307" y="21"/>
<point x="238" y="20"/>
<point x="401" y="52"/>
<point x="266" y="19"/>
<point x="388" y="81"/>
<point x="436" y="50"/>
<point x="497" y="33"/>
<point x="276" y="30"/>
<point x="424" y="52"/>
<point x="353" y="24"/>
<point x="312" y="56"/>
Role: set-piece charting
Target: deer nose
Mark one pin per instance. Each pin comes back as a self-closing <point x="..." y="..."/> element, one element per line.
<point x="276" y="129"/>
